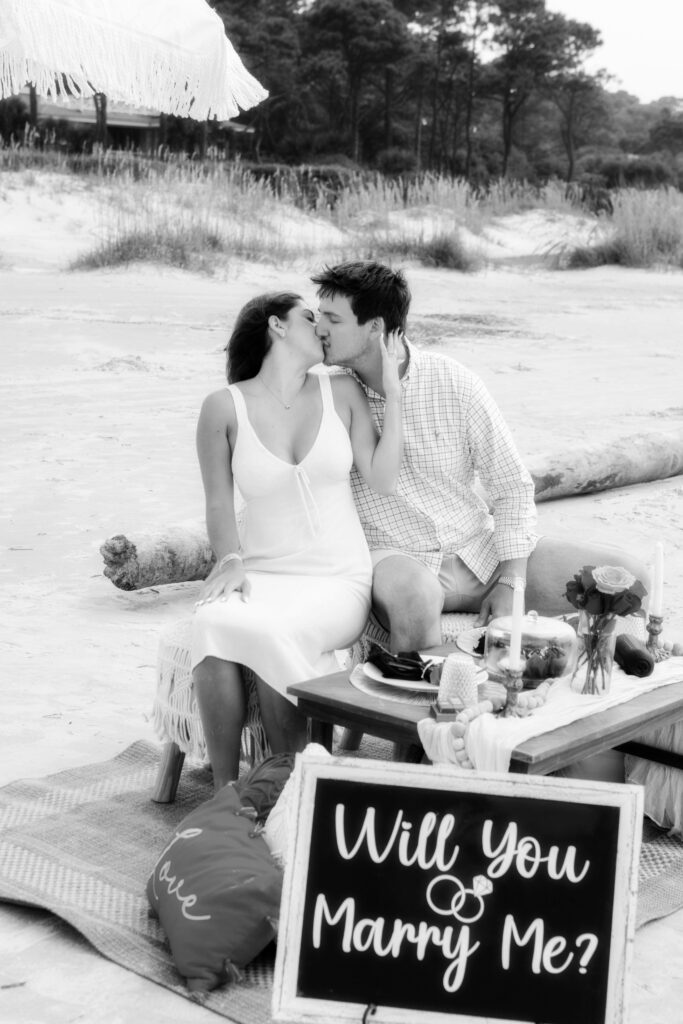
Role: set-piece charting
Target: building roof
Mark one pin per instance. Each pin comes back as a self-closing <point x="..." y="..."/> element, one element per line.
<point x="81" y="110"/>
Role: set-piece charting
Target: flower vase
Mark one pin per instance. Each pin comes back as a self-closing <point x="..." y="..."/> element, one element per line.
<point x="597" y="638"/>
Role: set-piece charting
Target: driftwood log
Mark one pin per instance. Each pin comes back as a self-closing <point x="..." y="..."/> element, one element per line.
<point x="176" y="555"/>
<point x="599" y="467"/>
<point x="182" y="553"/>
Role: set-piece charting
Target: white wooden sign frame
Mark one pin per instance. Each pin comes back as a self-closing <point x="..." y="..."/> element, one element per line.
<point x="287" y="1006"/>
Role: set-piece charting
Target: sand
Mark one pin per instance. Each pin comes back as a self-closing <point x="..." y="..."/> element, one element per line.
<point x="103" y="375"/>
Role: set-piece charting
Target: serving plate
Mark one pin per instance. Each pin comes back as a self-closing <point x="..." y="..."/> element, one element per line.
<point x="372" y="672"/>
<point x="417" y="685"/>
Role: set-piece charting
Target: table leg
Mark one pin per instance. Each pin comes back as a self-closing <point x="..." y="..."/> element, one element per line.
<point x="656" y="754"/>
<point x="320" y="732"/>
<point x="409" y="753"/>
<point x="351" y="739"/>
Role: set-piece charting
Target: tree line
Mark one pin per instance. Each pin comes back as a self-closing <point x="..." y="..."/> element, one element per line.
<point x="465" y="87"/>
<point x="479" y="89"/>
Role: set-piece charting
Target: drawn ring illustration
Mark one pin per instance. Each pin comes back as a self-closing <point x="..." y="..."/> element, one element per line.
<point x="457" y="901"/>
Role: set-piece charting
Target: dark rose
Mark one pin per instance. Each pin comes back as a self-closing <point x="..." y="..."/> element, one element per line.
<point x="601" y="596"/>
<point x="574" y="592"/>
<point x="596" y="603"/>
<point x="630" y="601"/>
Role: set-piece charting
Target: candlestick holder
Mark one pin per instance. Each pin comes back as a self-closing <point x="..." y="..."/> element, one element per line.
<point x="654" y="628"/>
<point x="512" y="681"/>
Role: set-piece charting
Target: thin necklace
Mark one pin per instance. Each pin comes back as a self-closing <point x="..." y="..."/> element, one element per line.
<point x="276" y="396"/>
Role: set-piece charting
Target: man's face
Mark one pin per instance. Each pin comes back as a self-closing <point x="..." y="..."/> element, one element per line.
<point x="344" y="340"/>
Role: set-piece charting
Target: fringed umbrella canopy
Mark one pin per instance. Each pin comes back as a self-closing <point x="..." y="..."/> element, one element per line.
<point x="170" y="55"/>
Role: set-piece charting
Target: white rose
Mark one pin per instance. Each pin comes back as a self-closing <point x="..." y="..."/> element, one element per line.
<point x="612" y="579"/>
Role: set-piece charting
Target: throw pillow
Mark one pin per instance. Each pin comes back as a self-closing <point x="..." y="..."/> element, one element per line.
<point x="216" y="890"/>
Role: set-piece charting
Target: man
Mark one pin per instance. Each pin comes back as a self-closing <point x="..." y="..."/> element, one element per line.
<point x="435" y="545"/>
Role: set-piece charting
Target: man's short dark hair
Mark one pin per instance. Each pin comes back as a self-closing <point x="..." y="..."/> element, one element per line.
<point x="373" y="289"/>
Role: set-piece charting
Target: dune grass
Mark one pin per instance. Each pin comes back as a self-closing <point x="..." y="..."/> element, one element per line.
<point x="200" y="215"/>
<point x="469" y="206"/>
<point x="199" y="218"/>
<point x="187" y="250"/>
<point x="645" y="230"/>
<point x="442" y="249"/>
<point x="190" y="216"/>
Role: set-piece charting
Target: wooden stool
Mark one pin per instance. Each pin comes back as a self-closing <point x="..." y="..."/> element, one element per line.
<point x="175" y="714"/>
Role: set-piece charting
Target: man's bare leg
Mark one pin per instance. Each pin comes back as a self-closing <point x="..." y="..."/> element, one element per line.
<point x="408" y="601"/>
<point x="222" y="704"/>
<point x="555" y="561"/>
<point x="284" y="725"/>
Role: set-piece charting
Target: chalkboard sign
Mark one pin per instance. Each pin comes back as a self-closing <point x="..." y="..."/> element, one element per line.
<point x="427" y="894"/>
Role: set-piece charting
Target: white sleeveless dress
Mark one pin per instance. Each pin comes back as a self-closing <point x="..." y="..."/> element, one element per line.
<point x="305" y="555"/>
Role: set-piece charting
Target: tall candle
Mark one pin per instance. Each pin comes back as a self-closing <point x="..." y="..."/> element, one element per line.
<point x="657" y="602"/>
<point x="516" y="629"/>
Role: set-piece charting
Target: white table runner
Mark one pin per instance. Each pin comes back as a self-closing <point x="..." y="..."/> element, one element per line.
<point x="490" y="740"/>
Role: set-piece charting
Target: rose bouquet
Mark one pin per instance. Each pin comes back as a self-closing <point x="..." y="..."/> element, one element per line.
<point x="601" y="594"/>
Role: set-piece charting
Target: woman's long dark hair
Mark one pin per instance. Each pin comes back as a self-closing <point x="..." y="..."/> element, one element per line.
<point x="250" y="341"/>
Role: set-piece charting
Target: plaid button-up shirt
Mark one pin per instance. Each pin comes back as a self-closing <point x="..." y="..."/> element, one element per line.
<point x="453" y="433"/>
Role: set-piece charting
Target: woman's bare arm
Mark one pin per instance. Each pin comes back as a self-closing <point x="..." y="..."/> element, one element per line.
<point x="377" y="457"/>
<point x="215" y="463"/>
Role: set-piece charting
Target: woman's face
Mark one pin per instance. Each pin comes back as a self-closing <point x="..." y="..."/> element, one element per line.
<point x="300" y="326"/>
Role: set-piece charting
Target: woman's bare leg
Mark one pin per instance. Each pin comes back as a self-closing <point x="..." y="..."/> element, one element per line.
<point x="285" y="726"/>
<point x="222" y="704"/>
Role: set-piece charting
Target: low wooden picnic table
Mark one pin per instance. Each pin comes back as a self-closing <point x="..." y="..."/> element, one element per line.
<point x="332" y="700"/>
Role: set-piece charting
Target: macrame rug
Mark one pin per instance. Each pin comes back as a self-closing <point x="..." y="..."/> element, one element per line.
<point x="82" y="843"/>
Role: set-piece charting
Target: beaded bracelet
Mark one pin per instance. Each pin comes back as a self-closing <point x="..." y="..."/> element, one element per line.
<point x="228" y="558"/>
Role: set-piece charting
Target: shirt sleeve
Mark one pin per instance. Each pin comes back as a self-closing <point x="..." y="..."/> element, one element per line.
<point x="510" y="489"/>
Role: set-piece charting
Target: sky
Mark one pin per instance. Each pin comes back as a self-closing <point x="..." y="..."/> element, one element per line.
<point x="642" y="42"/>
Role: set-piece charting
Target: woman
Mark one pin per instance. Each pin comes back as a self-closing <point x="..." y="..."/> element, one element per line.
<point x="293" y="584"/>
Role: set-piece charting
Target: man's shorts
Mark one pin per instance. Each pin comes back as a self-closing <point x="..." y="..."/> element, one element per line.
<point x="463" y="591"/>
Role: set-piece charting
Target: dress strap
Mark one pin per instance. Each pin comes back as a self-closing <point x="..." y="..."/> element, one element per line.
<point x="240" y="404"/>
<point x="326" y="392"/>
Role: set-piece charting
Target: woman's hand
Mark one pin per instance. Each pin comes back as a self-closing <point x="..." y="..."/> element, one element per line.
<point x="377" y="457"/>
<point x="392" y="354"/>
<point x="220" y="583"/>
